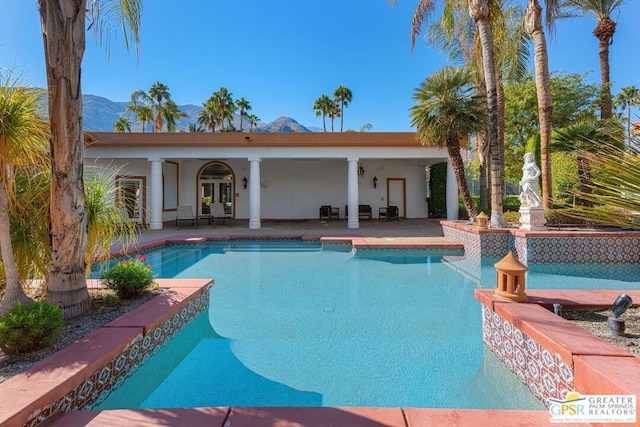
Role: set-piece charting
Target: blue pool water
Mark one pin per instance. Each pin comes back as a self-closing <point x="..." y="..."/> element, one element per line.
<point x="291" y="324"/>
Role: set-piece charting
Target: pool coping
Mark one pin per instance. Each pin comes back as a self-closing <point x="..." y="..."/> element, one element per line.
<point x="583" y="361"/>
<point x="77" y="375"/>
<point x="71" y="366"/>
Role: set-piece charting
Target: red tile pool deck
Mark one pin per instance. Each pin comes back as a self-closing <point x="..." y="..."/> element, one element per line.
<point x="601" y="368"/>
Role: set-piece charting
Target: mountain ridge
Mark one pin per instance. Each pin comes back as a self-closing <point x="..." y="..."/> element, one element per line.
<point x="100" y="113"/>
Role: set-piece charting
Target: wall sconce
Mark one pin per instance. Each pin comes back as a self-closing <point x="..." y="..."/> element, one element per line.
<point x="244" y="182"/>
<point x="248" y="138"/>
<point x="361" y="171"/>
<point x="375" y="181"/>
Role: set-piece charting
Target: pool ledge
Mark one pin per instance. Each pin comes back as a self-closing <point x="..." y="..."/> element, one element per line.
<point x="310" y="417"/>
<point x="76" y="376"/>
<point x="551" y="355"/>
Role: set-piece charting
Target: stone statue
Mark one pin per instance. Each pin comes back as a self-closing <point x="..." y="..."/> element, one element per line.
<point x="529" y="192"/>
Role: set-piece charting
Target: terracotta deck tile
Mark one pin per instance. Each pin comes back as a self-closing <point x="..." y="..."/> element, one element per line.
<point x="316" y="417"/>
<point x="45" y="382"/>
<point x="555" y="333"/>
<point x="158" y="310"/>
<point x="607" y="375"/>
<point x="418" y="417"/>
<point x="413" y="242"/>
<point x="184" y="283"/>
<point x="570" y="299"/>
<point x="211" y="417"/>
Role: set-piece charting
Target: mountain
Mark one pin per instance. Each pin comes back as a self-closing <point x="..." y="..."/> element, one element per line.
<point x="282" y="124"/>
<point x="101" y="113"/>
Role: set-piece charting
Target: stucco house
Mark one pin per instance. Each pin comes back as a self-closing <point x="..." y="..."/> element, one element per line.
<point x="275" y="176"/>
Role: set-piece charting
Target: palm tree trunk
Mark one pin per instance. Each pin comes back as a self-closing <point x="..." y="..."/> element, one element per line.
<point x="453" y="148"/>
<point x="157" y="126"/>
<point x="604" y="31"/>
<point x="483" y="152"/>
<point x="13" y="291"/>
<point x="63" y="30"/>
<point x="533" y="26"/>
<point x="479" y="11"/>
<point x="341" y="116"/>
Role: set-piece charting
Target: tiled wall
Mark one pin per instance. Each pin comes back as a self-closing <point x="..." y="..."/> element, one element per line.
<point x="476" y="242"/>
<point x="90" y="393"/>
<point x="560" y="247"/>
<point x="546" y="374"/>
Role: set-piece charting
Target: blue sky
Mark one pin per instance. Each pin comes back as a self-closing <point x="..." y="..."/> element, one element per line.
<point x="282" y="55"/>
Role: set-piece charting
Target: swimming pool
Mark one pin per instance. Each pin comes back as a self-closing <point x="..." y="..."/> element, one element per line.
<point x="291" y="324"/>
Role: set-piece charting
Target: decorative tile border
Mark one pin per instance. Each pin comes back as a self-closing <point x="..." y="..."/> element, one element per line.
<point x="97" y="387"/>
<point x="547" y="247"/>
<point x="544" y="373"/>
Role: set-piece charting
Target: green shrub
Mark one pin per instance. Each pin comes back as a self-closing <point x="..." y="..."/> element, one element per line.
<point x="130" y="278"/>
<point x="511" y="217"/>
<point x="29" y="327"/>
<point x="511" y="203"/>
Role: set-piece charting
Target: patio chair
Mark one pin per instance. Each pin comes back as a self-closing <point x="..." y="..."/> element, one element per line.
<point x="217" y="212"/>
<point x="334" y="212"/>
<point x="185" y="213"/>
<point x="364" y="212"/>
<point x="325" y="212"/>
<point x="389" y="213"/>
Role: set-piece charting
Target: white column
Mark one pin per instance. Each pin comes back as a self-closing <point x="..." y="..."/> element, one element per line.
<point x="155" y="195"/>
<point x="254" y="193"/>
<point x="352" y="193"/>
<point x="452" y="193"/>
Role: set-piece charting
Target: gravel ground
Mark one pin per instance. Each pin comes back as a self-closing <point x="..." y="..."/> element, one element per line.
<point x="104" y="308"/>
<point x="596" y="323"/>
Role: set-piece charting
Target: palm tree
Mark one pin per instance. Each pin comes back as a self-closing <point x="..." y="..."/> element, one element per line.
<point x="253" y="121"/>
<point x="533" y="26"/>
<point x="447" y="110"/>
<point x="23" y="142"/>
<point x="106" y="220"/>
<point x="628" y="97"/>
<point x="208" y="116"/>
<point x="194" y="127"/>
<point x="586" y="136"/>
<point x="333" y="111"/>
<point x="243" y="106"/>
<point x="122" y="125"/>
<point x="614" y="196"/>
<point x="344" y="96"/>
<point x="321" y="107"/>
<point x="223" y="101"/>
<point x="143" y="112"/>
<point x="458" y="36"/>
<point x="158" y="95"/>
<point x="171" y="114"/>
<point x="604" y="31"/>
<point x="63" y="24"/>
<point x="479" y="12"/>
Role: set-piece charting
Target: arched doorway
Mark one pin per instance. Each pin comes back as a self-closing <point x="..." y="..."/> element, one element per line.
<point x="216" y="183"/>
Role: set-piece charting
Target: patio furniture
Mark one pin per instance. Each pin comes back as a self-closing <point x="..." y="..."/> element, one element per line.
<point x="364" y="212"/>
<point x="185" y="213"/>
<point x="389" y="213"/>
<point x="329" y="212"/>
<point x="217" y="212"/>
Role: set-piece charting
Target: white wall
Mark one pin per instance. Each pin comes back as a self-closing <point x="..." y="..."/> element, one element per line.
<point x="295" y="188"/>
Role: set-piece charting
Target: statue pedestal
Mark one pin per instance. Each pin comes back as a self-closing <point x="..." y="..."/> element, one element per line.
<point x="532" y="219"/>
